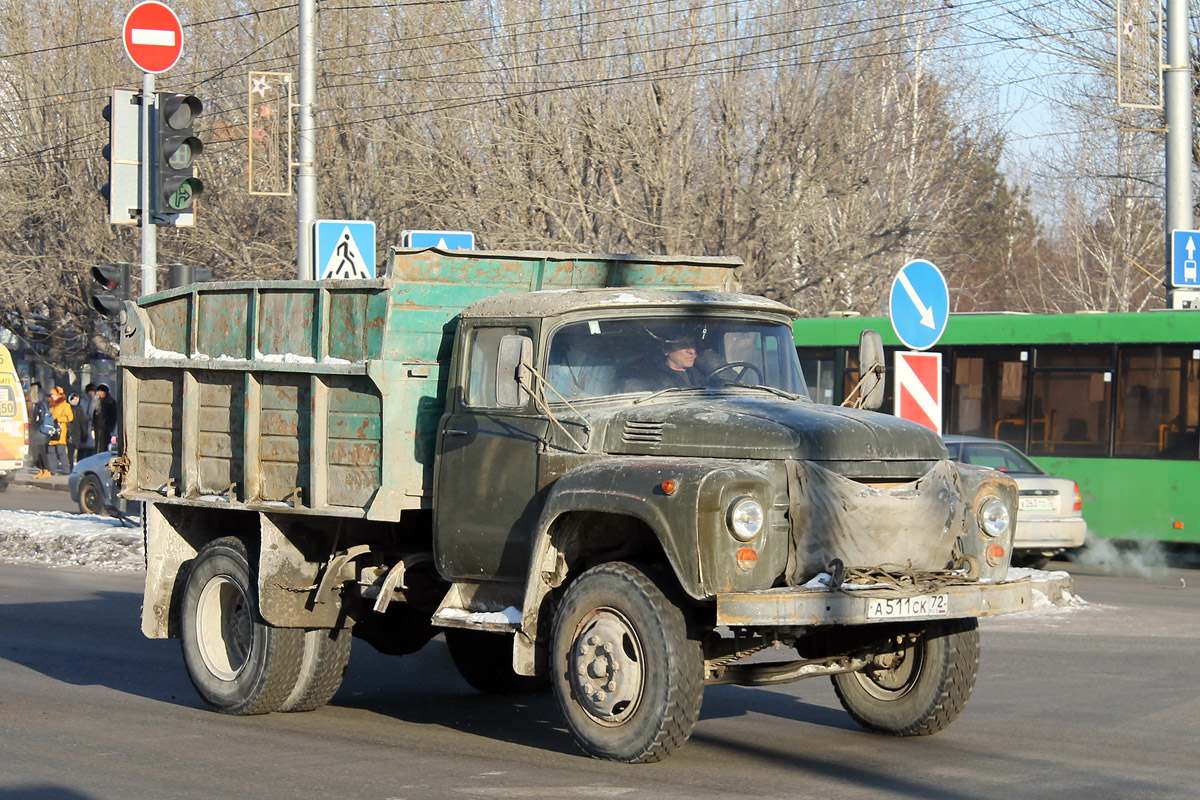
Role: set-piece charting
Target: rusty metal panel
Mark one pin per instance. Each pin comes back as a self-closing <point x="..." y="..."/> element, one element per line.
<point x="172" y="324"/>
<point x="224" y="331"/>
<point x="159" y="438"/>
<point x="285" y="436"/>
<point x="287" y="322"/>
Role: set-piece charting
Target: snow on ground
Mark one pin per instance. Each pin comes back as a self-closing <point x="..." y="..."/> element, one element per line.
<point x="60" y="538"/>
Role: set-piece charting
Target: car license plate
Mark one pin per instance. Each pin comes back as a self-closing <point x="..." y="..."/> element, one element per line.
<point x="922" y="605"/>
<point x="1037" y="503"/>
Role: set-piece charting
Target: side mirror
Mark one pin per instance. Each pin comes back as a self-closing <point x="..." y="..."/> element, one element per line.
<point x="871" y="368"/>
<point x="511" y="391"/>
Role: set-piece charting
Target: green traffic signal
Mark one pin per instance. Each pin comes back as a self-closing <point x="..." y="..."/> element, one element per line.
<point x="175" y="187"/>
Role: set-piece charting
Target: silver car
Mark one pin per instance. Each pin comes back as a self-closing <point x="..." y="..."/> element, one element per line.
<point x="1050" y="512"/>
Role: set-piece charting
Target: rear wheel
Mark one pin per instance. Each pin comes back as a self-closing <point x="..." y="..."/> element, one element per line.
<point x="238" y="663"/>
<point x="627" y="675"/>
<point x="91" y="496"/>
<point x="924" y="687"/>
<point x="322" y="666"/>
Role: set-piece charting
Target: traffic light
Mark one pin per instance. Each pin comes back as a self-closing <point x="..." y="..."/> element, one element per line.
<point x="114" y="288"/>
<point x="124" y="159"/>
<point x="179" y="275"/>
<point x="174" y="186"/>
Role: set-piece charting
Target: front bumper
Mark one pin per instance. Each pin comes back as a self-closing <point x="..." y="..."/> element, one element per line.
<point x="795" y="607"/>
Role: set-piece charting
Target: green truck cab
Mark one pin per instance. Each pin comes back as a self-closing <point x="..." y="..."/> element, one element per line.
<point x="597" y="473"/>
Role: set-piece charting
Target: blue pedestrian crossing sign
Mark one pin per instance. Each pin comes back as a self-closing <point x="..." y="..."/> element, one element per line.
<point x="919" y="305"/>
<point x="1185" y="252"/>
<point x="345" y="249"/>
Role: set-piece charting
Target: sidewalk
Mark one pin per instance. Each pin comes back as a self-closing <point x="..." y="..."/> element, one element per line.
<point x="24" y="477"/>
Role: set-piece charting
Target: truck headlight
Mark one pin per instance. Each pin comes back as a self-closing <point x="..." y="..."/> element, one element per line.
<point x="994" y="518"/>
<point x="745" y="518"/>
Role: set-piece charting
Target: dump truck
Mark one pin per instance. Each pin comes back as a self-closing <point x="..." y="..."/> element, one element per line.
<point x="474" y="445"/>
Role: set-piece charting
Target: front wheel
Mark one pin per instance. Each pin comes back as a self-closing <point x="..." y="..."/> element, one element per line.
<point x="923" y="687"/>
<point x="238" y="663"/>
<point x="627" y="676"/>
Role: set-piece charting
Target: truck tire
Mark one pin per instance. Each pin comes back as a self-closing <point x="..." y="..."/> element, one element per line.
<point x="322" y="667"/>
<point x="238" y="663"/>
<point x="628" y="677"/>
<point x="484" y="660"/>
<point x="922" y="693"/>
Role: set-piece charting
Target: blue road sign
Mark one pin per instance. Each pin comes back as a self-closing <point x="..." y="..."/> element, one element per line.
<point x="444" y="240"/>
<point x="345" y="249"/>
<point x="1185" y="252"/>
<point x="920" y="305"/>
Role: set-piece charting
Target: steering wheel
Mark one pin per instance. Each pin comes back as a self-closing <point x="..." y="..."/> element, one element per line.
<point x="745" y="366"/>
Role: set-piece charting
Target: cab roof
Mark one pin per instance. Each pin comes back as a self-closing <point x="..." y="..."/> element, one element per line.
<point x="553" y="302"/>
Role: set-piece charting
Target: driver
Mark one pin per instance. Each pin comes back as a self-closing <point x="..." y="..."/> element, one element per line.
<point x="674" y="365"/>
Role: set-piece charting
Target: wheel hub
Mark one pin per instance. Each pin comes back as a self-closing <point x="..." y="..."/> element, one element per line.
<point x="606" y="667"/>
<point x="224" y="631"/>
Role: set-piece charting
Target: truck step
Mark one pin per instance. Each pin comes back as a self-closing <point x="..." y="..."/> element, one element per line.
<point x="481" y="606"/>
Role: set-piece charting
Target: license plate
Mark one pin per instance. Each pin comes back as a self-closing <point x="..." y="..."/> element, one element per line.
<point x="1037" y="503"/>
<point x="922" y="605"/>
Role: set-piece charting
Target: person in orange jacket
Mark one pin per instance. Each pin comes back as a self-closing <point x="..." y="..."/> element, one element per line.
<point x="56" y="448"/>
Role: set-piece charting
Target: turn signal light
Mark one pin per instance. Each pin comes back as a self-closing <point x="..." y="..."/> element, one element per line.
<point x="747" y="557"/>
<point x="668" y="486"/>
<point x="994" y="554"/>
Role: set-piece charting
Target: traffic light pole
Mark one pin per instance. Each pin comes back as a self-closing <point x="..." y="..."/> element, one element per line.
<point x="149" y="229"/>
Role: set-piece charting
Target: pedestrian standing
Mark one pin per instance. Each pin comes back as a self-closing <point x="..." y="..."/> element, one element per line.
<point x="87" y="405"/>
<point x="75" y="430"/>
<point x="56" y="447"/>
<point x="104" y="418"/>
<point x="38" y="414"/>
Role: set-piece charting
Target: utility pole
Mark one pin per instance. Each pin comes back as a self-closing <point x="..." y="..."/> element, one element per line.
<point x="1178" y="88"/>
<point x="306" y="175"/>
<point x="149" y="229"/>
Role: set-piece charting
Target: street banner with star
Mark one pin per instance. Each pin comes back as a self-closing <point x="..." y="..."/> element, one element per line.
<point x="1139" y="54"/>
<point x="270" y="129"/>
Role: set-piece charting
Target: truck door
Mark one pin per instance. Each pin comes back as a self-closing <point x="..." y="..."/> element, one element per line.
<point x="485" y="488"/>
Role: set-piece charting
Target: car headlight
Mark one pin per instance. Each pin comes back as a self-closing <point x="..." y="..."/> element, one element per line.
<point x="994" y="518"/>
<point x="745" y="518"/>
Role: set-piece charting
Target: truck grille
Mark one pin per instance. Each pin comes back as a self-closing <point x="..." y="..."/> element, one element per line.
<point x="644" y="433"/>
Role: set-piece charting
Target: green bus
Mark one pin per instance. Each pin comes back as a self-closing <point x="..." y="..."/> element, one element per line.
<point x="1111" y="401"/>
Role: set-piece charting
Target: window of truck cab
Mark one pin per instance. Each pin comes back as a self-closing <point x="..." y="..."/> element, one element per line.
<point x="479" y="390"/>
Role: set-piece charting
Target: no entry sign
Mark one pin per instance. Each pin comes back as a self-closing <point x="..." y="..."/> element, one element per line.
<point x="153" y="37"/>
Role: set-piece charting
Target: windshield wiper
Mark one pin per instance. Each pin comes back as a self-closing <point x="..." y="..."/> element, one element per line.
<point x="669" y="390"/>
<point x="771" y="389"/>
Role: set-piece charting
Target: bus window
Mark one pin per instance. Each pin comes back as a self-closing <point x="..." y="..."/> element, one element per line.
<point x="1074" y="402"/>
<point x="1157" y="402"/>
<point x="987" y="394"/>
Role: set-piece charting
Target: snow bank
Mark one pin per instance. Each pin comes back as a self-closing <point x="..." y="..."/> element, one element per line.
<point x="60" y="538"/>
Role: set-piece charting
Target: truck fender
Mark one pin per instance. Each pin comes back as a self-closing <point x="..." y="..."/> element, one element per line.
<point x="619" y="487"/>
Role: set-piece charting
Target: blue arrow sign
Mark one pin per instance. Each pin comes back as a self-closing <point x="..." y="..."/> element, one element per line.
<point x="443" y="240"/>
<point x="1185" y="252"/>
<point x="919" y="305"/>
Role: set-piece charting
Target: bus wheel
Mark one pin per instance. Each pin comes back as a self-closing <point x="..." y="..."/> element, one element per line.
<point x="627" y="676"/>
<point x="238" y="663"/>
<point x="924" y="688"/>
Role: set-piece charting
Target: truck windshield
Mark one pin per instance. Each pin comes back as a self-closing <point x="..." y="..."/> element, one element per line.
<point x="603" y="357"/>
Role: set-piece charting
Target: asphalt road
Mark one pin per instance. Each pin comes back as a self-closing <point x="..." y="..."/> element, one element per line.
<point x="1095" y="703"/>
<point x="32" y="498"/>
